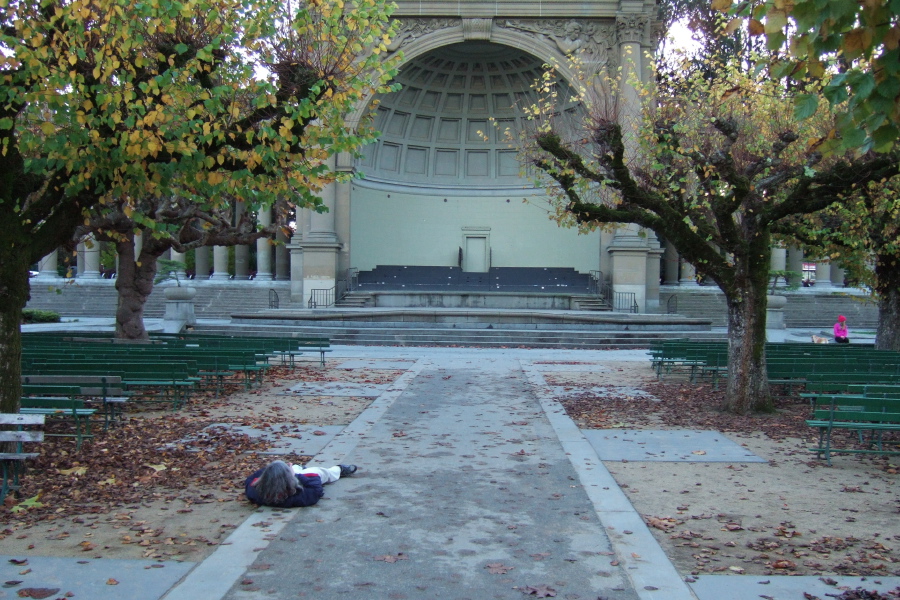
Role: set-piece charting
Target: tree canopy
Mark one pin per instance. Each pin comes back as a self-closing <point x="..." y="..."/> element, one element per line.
<point x="111" y="99"/>
<point x="852" y="47"/>
<point x="714" y="165"/>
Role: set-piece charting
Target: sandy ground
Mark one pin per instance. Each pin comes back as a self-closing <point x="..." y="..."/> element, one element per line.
<point x="790" y="515"/>
<point x="185" y="523"/>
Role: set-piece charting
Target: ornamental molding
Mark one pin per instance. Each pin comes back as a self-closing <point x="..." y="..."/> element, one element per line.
<point x="477" y="29"/>
<point x="591" y="39"/>
<point x="411" y="30"/>
<point x="632" y="28"/>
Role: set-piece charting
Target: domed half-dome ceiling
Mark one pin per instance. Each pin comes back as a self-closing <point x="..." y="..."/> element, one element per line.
<point x="437" y="132"/>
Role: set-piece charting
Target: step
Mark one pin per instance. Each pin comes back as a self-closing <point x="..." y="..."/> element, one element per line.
<point x="497" y="338"/>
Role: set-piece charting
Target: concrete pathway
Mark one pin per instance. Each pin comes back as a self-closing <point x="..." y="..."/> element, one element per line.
<point x="465" y="491"/>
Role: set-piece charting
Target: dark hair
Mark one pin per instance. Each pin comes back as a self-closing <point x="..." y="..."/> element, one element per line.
<point x="276" y="483"/>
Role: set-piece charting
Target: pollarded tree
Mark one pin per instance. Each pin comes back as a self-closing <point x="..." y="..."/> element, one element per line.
<point x="712" y="170"/>
<point x="177" y="223"/>
<point x="201" y="99"/>
<point x="864" y="233"/>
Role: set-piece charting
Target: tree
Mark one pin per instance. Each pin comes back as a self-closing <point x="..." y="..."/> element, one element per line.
<point x="110" y="99"/>
<point x="712" y="169"/>
<point x="179" y="224"/>
<point x="852" y="47"/>
<point x="864" y="233"/>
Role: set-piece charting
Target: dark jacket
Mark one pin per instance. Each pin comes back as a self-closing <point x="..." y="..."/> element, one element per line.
<point x="309" y="490"/>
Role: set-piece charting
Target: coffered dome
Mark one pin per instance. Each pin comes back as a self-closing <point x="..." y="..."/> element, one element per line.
<point x="436" y="131"/>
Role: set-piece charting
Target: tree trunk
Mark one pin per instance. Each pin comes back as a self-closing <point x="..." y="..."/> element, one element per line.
<point x="748" y="380"/>
<point x="134" y="283"/>
<point x="14" y="293"/>
<point x="888" y="277"/>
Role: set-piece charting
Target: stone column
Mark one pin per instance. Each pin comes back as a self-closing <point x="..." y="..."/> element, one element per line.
<point x="264" y="249"/>
<point x="654" y="257"/>
<point x="297" y="282"/>
<point x="282" y="257"/>
<point x="795" y="263"/>
<point x="671" y="262"/>
<point x="823" y="275"/>
<point x="688" y="274"/>
<point x="91" y="259"/>
<point x="220" y="263"/>
<point x="837" y="275"/>
<point x="47" y="267"/>
<point x="178" y="257"/>
<point x="241" y="251"/>
<point x="320" y="246"/>
<point x="629" y="264"/>
<point x="201" y="262"/>
<point x="631" y="30"/>
<point x="778" y="262"/>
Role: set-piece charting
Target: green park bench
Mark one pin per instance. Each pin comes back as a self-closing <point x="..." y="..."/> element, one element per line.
<point x="854" y="412"/>
<point x="13" y="461"/>
<point x="68" y="409"/>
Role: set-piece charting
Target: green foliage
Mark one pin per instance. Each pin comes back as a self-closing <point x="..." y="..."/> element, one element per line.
<point x="28" y="503"/>
<point x="168" y="269"/>
<point x="203" y="99"/>
<point x="35" y="315"/>
<point x="853" y="48"/>
<point x="791" y="279"/>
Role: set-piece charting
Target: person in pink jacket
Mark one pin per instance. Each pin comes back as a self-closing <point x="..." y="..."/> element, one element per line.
<point x="841" y="333"/>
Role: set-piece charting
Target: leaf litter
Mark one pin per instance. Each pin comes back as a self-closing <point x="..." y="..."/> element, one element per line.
<point x="165" y="485"/>
<point x="849" y="512"/>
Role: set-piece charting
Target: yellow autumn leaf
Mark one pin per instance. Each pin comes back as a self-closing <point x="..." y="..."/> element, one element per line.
<point x="157" y="468"/>
<point x="73" y="471"/>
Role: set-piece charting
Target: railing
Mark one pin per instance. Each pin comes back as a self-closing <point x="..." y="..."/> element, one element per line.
<point x="273" y="299"/>
<point x="625" y="302"/>
<point x="321" y="298"/>
<point x="352" y="279"/>
<point x="672" y="304"/>
<point x="595" y="282"/>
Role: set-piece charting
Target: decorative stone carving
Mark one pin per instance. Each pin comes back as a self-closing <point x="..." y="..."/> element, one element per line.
<point x="477" y="29"/>
<point x="592" y="38"/>
<point x="412" y="29"/>
<point x="631" y="28"/>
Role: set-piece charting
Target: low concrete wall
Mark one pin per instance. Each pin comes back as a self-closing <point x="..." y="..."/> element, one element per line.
<point x="505" y="300"/>
<point x="806" y="307"/>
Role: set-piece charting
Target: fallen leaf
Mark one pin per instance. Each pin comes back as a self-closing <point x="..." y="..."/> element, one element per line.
<point x="392" y="558"/>
<point x="111" y="581"/>
<point x="541" y="591"/>
<point x="497" y="568"/>
<point x="73" y="471"/>
<point x="37" y="593"/>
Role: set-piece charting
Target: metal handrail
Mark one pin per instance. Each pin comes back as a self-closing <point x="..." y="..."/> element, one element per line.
<point x="672" y="304"/>
<point x="352" y="279"/>
<point x="625" y="302"/>
<point x="321" y="298"/>
<point x="595" y="281"/>
<point x="273" y="299"/>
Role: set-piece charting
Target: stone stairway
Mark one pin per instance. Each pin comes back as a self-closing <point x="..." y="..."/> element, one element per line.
<point x="589" y="302"/>
<point x="484" y="335"/>
<point x="99" y="298"/>
<point x="355" y="300"/>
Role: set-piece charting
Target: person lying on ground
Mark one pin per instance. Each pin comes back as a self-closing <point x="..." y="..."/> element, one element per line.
<point x="282" y="485"/>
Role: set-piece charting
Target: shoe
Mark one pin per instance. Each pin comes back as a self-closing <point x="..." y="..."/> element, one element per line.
<point x="347" y="470"/>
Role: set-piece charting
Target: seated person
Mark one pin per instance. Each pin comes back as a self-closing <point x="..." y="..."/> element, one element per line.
<point x="283" y="485"/>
